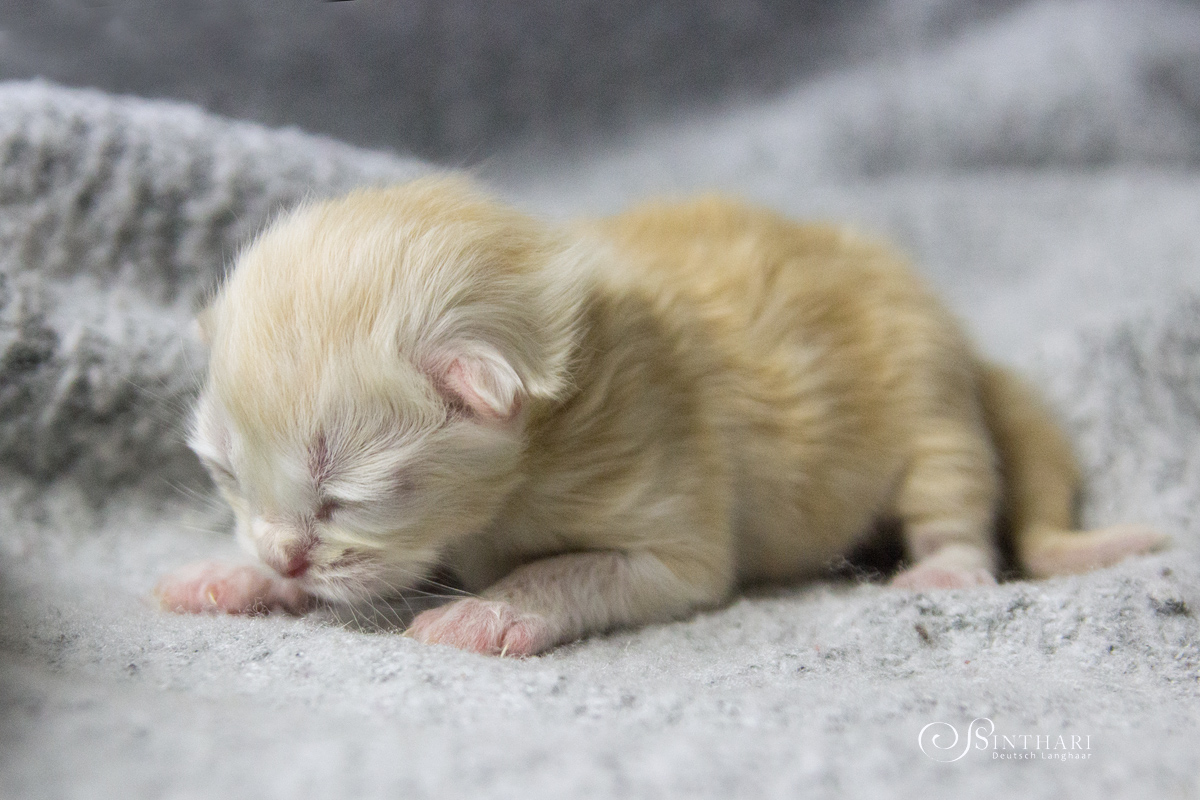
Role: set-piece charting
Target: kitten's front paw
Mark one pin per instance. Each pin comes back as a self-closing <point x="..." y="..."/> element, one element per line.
<point x="215" y="587"/>
<point x="933" y="576"/>
<point x="491" y="627"/>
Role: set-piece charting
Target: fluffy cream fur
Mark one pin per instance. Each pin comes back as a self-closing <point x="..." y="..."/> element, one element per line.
<point x="602" y="426"/>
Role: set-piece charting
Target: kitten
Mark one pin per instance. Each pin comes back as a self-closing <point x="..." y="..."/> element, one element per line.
<point x="602" y="426"/>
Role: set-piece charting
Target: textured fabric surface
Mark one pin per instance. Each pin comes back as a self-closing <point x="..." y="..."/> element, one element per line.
<point x="1042" y="165"/>
<point x="118" y="215"/>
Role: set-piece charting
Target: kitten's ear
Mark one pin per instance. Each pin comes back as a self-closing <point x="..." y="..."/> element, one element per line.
<point x="479" y="380"/>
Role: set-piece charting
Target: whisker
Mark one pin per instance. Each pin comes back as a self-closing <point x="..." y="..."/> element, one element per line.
<point x="202" y="529"/>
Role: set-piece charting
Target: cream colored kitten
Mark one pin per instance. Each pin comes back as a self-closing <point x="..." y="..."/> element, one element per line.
<point x="604" y="426"/>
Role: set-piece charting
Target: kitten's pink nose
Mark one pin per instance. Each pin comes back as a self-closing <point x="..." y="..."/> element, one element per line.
<point x="296" y="566"/>
<point x="289" y="558"/>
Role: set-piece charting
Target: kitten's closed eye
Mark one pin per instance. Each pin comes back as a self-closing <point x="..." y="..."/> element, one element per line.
<point x="405" y="482"/>
<point x="326" y="510"/>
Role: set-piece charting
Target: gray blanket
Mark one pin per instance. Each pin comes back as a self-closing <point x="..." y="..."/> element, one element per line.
<point x="1040" y="162"/>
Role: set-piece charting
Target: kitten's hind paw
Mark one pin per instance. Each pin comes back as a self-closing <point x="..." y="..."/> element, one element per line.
<point x="931" y="576"/>
<point x="216" y="587"/>
<point x="952" y="566"/>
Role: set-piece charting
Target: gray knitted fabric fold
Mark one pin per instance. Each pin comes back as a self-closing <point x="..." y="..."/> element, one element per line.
<point x="116" y="215"/>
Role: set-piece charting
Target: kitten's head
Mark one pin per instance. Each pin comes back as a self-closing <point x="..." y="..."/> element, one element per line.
<point x="373" y="363"/>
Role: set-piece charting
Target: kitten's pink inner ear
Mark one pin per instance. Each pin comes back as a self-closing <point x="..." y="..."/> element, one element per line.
<point x="486" y="386"/>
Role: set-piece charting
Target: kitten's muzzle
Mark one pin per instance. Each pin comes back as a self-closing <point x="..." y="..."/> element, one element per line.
<point x="290" y="557"/>
<point x="295" y="567"/>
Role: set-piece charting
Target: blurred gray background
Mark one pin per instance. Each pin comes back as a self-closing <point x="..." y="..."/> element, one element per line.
<point x="458" y="80"/>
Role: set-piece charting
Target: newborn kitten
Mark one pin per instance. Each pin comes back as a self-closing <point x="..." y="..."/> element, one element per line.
<point x="604" y="426"/>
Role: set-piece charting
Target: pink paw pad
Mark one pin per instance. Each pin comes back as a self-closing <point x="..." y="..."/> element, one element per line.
<point x="931" y="576"/>
<point x="490" y="627"/>
<point x="214" y="587"/>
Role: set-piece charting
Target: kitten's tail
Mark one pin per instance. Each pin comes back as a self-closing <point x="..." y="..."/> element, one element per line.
<point x="1041" y="480"/>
